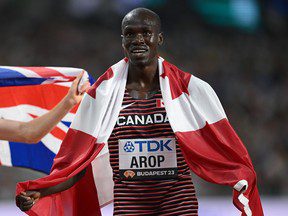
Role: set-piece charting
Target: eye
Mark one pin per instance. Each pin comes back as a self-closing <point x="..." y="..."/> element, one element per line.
<point x="129" y="35"/>
<point x="147" y="34"/>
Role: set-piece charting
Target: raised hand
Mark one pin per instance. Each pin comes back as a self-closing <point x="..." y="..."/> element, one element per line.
<point x="75" y="93"/>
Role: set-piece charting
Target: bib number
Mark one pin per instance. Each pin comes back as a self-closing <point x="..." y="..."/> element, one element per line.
<point x="147" y="158"/>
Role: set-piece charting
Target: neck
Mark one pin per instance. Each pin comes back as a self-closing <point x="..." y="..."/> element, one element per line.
<point x="143" y="77"/>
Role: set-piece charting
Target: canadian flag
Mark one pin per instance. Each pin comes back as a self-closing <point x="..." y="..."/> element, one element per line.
<point x="159" y="103"/>
<point x="209" y="144"/>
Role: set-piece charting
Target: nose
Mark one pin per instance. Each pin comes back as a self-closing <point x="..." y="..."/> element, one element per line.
<point x="139" y="38"/>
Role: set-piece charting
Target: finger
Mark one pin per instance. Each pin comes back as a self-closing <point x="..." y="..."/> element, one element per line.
<point x="17" y="201"/>
<point x="23" y="193"/>
<point x="26" y="208"/>
<point x="36" y="196"/>
<point x="79" y="76"/>
<point x="28" y="203"/>
<point x="84" y="87"/>
<point x="22" y="198"/>
<point x="76" y="82"/>
<point x="31" y="193"/>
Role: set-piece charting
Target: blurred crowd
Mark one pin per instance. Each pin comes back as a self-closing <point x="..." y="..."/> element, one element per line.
<point x="248" y="68"/>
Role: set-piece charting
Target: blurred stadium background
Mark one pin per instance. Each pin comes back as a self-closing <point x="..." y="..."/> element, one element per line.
<point x="239" y="46"/>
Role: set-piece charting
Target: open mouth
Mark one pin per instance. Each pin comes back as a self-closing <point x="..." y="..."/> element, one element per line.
<point x="139" y="50"/>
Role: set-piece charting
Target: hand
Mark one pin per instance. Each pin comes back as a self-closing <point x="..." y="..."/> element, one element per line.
<point x="27" y="199"/>
<point x="74" y="96"/>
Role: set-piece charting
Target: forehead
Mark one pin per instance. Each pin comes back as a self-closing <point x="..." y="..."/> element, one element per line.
<point x="139" y="21"/>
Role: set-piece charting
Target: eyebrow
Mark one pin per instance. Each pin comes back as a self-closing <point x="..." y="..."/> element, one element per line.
<point x="144" y="27"/>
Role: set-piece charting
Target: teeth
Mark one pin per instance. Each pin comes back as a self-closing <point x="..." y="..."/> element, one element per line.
<point x="138" y="51"/>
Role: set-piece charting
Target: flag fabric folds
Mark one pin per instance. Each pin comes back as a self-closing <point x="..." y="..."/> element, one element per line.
<point x="210" y="146"/>
<point x="29" y="92"/>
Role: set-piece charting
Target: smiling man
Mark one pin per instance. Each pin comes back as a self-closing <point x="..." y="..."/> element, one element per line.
<point x="141" y="37"/>
<point x="161" y="172"/>
<point x="157" y="123"/>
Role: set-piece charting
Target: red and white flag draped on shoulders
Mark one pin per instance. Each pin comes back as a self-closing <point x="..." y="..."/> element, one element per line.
<point x="210" y="146"/>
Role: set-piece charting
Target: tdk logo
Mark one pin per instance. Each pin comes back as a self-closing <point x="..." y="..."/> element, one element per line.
<point x="129" y="147"/>
<point x="148" y="145"/>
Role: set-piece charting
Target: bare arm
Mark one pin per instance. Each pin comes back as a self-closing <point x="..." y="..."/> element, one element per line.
<point x="27" y="199"/>
<point x="63" y="186"/>
<point x="34" y="130"/>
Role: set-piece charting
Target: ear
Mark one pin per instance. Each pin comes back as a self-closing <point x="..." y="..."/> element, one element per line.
<point x="122" y="43"/>
<point x="160" y="38"/>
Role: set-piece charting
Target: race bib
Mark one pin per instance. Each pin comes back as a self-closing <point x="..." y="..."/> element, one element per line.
<point x="147" y="159"/>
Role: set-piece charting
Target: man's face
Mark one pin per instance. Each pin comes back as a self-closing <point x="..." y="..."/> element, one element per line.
<point x="141" y="38"/>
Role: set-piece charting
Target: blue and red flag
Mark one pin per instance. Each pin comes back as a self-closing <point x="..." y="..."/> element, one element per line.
<point x="25" y="94"/>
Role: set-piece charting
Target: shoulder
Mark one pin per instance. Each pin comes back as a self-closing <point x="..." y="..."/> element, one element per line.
<point x="194" y="84"/>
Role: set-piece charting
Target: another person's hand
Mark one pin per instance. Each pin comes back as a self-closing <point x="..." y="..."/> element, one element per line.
<point x="74" y="96"/>
<point x="27" y="199"/>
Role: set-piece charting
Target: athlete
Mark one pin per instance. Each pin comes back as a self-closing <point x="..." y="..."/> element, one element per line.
<point x="34" y="130"/>
<point x="142" y="119"/>
<point x="141" y="37"/>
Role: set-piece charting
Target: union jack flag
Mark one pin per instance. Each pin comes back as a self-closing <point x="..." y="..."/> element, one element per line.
<point x="25" y="94"/>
